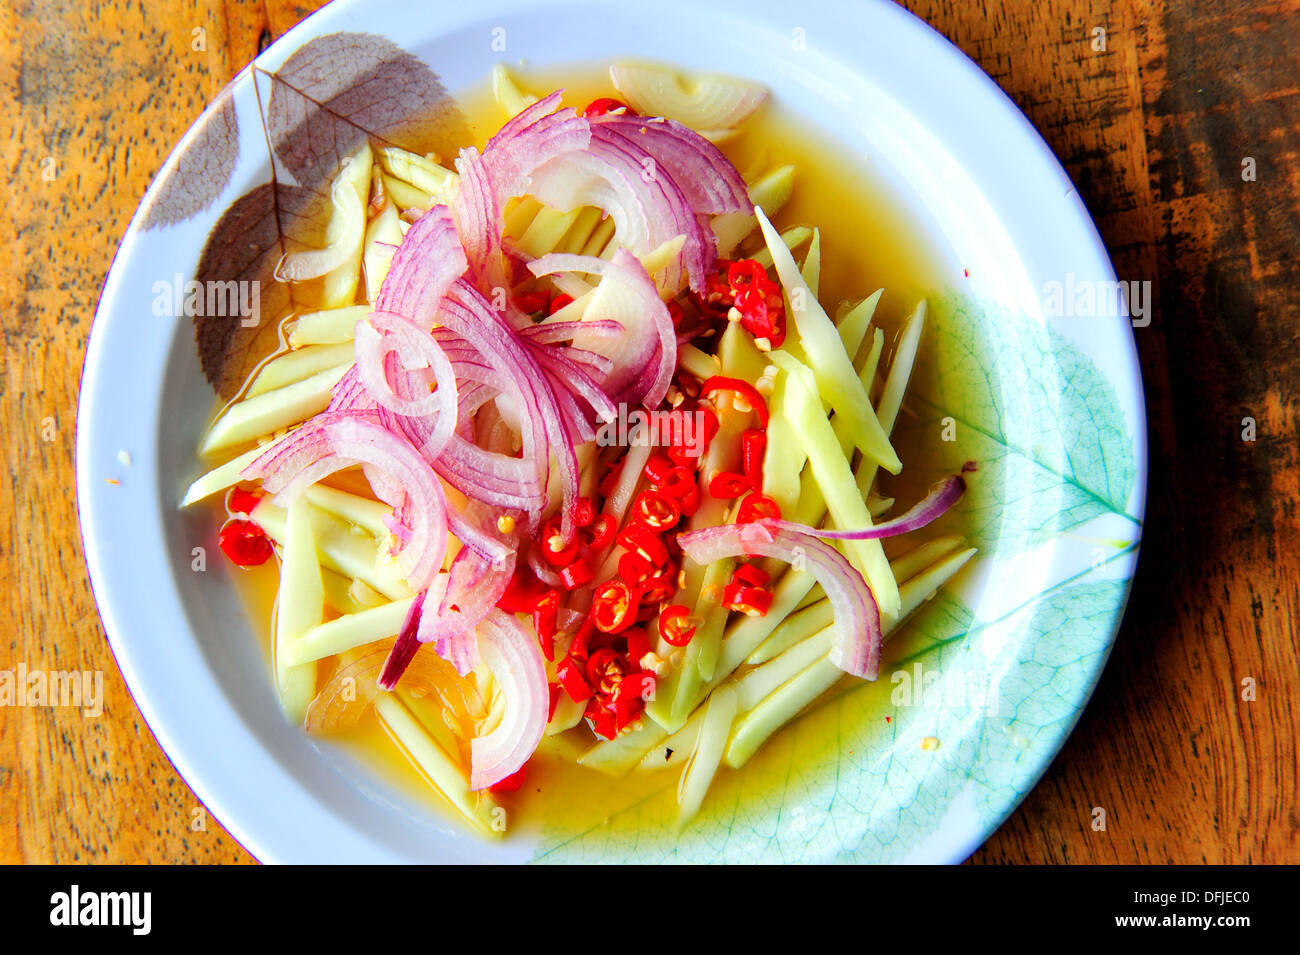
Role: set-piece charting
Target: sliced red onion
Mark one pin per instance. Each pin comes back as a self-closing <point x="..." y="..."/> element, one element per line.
<point x="429" y="259"/>
<point x="402" y="342"/>
<point x="709" y="180"/>
<point x="349" y="393"/>
<point x="542" y="570"/>
<point x="550" y="333"/>
<point x="645" y="356"/>
<point x="538" y="134"/>
<point x="468" y="313"/>
<point x="477" y="538"/>
<point x="490" y="477"/>
<point x="465" y="312"/>
<point x="332" y="441"/>
<point x="515" y="659"/>
<point x="599" y="365"/>
<point x="942" y="496"/>
<point x="615" y="174"/>
<point x="469" y="590"/>
<point x="855" y="647"/>
<point x="715" y="104"/>
<point x="563" y="370"/>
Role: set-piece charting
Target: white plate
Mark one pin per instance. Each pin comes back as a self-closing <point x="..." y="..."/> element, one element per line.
<point x="1042" y="608"/>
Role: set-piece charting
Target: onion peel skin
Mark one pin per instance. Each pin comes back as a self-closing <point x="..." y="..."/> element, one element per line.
<point x="404" y="647"/>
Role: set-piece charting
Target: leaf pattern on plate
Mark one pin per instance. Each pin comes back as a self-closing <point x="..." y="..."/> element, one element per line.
<point x="330" y="96"/>
<point x="1011" y="389"/>
<point x="979" y="705"/>
<point x="202" y="170"/>
<point x="244" y="246"/>
<point x="340" y="90"/>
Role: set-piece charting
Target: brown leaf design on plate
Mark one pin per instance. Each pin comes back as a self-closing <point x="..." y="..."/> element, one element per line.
<point x="342" y="89"/>
<point x="244" y="247"/>
<point x="329" y="97"/>
<point x="201" y="171"/>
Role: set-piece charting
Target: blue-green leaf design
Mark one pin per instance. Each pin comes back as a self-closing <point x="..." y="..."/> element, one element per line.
<point x="1032" y="411"/>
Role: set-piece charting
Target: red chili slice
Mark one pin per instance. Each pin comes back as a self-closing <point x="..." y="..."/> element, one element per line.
<point x="691" y="502"/>
<point x="606" y="104"/>
<point x="545" y="614"/>
<point x="633" y="567"/>
<point x="554" y="548"/>
<point x="582" y="639"/>
<point x="753" y="601"/>
<point x="603" y="530"/>
<point x="745" y="274"/>
<point x="658" y="467"/>
<point x="753" y="445"/>
<point x="630" y="700"/>
<point x="244" y="543"/>
<point x="755" y="317"/>
<point x="656" y="510"/>
<point x="604" y="669"/>
<point x="511" y="783"/>
<point x="660" y="587"/>
<point x="726" y="485"/>
<point x="717" y="282"/>
<point x="241" y="501"/>
<point x="576" y="574"/>
<point x="584" y="511"/>
<point x="689" y="455"/>
<point x="684" y="457"/>
<point x="676" y="625"/>
<point x="750" y="576"/>
<point x="602" y="719"/>
<point x="638" y="645"/>
<point x="570" y="674"/>
<point x="558" y="302"/>
<point x="742" y="388"/>
<point x="678" y="482"/>
<point x="522" y="592"/>
<point x="614" y="606"/>
<point x="532" y="302"/>
<point x="611" y="479"/>
<point x="642" y="540"/>
<point x="757" y="506"/>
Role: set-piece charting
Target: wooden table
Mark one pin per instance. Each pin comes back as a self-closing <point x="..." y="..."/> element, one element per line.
<point x="1154" y="129"/>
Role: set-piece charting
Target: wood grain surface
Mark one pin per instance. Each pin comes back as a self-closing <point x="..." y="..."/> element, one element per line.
<point x="1155" y="128"/>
